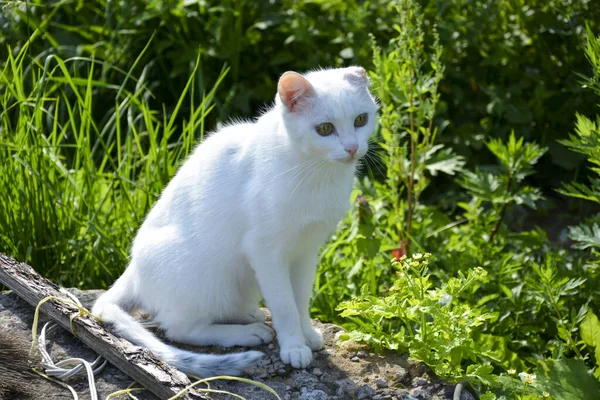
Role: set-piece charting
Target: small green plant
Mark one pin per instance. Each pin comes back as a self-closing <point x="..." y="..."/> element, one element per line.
<point x="586" y="141"/>
<point x="431" y="323"/>
<point x="406" y="78"/>
<point x="502" y="189"/>
<point x="405" y="156"/>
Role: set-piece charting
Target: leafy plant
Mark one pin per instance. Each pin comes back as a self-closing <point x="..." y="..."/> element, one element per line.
<point x="432" y="324"/>
<point x="590" y="334"/>
<point x="404" y="154"/>
<point x="535" y="295"/>
<point x="586" y="140"/>
<point x="406" y="80"/>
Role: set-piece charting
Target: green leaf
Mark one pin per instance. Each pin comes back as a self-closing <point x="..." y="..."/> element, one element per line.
<point x="443" y="161"/>
<point x="496" y="348"/>
<point x="590" y="333"/>
<point x="517" y="157"/>
<point x="483" y="185"/>
<point x="567" y="380"/>
<point x="528" y="196"/>
<point x="368" y="247"/>
<point x="586" y="236"/>
<point x="582" y="191"/>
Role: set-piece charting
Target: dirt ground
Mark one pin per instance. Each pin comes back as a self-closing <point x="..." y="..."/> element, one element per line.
<point x="343" y="370"/>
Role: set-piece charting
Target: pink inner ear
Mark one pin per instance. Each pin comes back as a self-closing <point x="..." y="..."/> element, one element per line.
<point x="356" y="76"/>
<point x="292" y="88"/>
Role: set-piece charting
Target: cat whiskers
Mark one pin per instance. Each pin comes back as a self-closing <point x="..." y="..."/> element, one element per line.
<point x="308" y="172"/>
<point x="304" y="167"/>
<point x="374" y="160"/>
<point x="292" y="169"/>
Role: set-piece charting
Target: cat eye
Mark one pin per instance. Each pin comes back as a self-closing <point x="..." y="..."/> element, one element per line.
<point x="361" y="120"/>
<point x="324" y="129"/>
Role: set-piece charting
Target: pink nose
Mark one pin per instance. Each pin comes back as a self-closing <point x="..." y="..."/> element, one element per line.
<point x="351" y="150"/>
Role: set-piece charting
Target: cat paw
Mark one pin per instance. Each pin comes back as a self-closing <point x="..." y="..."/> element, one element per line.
<point x="256" y="315"/>
<point x="256" y="334"/>
<point x="314" y="339"/>
<point x="249" y="317"/>
<point x="298" y="356"/>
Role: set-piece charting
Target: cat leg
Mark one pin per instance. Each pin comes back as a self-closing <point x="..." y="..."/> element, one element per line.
<point x="225" y="335"/>
<point x="303" y="278"/>
<point x="273" y="276"/>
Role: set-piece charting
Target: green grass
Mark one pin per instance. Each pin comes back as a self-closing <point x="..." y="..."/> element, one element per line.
<point x="74" y="190"/>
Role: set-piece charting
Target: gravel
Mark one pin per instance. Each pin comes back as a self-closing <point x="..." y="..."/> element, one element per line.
<point x="341" y="371"/>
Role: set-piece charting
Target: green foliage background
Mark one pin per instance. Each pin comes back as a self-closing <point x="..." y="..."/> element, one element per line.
<point x="486" y="156"/>
<point x="510" y="64"/>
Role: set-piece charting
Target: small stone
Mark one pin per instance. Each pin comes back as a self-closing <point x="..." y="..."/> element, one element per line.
<point x="362" y="354"/>
<point x="303" y="379"/>
<point x="381" y="383"/>
<point x="346" y="388"/>
<point x="351" y="355"/>
<point x="279" y="365"/>
<point x="355" y="359"/>
<point x="271" y="346"/>
<point x="281" y="371"/>
<point x="465" y="395"/>
<point x="327" y="378"/>
<point x="419" y="394"/>
<point x="365" y="392"/>
<point x="337" y="336"/>
<point x="288" y="388"/>
<point x="313" y="395"/>
<point x="327" y="352"/>
<point x="402" y="375"/>
<point x="419" y="381"/>
<point x="317" y="372"/>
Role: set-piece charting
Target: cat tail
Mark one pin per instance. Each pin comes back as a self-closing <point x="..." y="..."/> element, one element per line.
<point x="112" y="306"/>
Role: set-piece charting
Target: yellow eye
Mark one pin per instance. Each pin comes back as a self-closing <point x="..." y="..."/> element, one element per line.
<point x="324" y="129"/>
<point x="361" y="120"/>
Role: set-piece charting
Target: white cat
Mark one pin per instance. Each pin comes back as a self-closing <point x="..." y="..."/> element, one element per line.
<point x="244" y="216"/>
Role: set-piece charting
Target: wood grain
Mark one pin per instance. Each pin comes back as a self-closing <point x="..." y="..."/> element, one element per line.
<point x="138" y="363"/>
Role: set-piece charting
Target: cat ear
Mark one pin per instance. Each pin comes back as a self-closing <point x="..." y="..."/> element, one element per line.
<point x="292" y="89"/>
<point x="356" y="76"/>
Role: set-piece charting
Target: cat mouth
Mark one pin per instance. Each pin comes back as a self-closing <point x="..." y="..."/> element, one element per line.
<point x="347" y="160"/>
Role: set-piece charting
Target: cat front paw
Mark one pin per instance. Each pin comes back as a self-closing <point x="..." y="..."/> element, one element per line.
<point x="298" y="356"/>
<point x="314" y="339"/>
<point x="250" y="316"/>
<point x="255" y="334"/>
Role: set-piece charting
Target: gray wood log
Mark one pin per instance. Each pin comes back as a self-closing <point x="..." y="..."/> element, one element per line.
<point x="138" y="363"/>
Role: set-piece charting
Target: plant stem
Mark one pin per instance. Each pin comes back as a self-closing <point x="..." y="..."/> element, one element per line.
<point x="568" y="332"/>
<point x="497" y="227"/>
<point x="502" y="211"/>
<point x="411" y="178"/>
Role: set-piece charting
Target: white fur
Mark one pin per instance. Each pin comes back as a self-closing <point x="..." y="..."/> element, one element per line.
<point x="245" y="215"/>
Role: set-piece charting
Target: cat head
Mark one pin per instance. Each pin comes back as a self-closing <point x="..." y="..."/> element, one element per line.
<point x="329" y="114"/>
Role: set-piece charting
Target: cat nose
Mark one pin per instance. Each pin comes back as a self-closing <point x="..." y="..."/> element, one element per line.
<point x="351" y="149"/>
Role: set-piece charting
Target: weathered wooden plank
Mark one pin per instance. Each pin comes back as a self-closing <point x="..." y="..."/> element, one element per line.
<point x="138" y="363"/>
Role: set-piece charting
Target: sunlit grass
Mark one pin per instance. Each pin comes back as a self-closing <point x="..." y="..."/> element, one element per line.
<point x="74" y="190"/>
